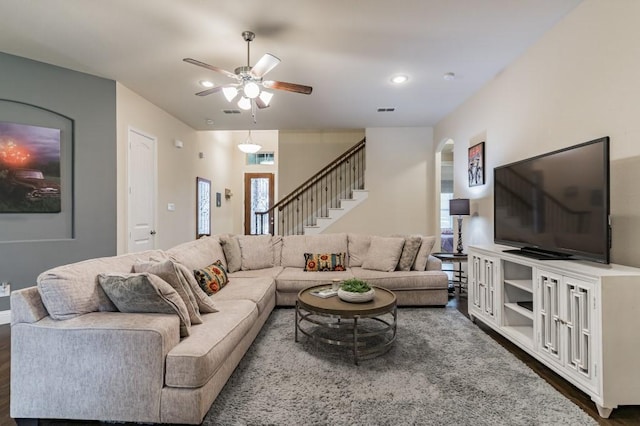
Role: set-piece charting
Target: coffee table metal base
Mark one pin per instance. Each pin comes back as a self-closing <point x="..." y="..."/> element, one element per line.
<point x="368" y="336"/>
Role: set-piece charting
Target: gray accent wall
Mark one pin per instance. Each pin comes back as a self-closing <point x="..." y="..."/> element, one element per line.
<point x="90" y="103"/>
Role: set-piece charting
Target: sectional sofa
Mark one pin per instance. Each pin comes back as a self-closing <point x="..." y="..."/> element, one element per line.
<point x="137" y="338"/>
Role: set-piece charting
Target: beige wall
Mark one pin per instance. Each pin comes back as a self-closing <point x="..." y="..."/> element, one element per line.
<point x="400" y="177"/>
<point x="304" y="153"/>
<point x="177" y="170"/>
<point x="578" y="83"/>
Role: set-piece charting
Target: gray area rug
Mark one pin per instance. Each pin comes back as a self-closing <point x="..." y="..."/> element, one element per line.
<point x="442" y="370"/>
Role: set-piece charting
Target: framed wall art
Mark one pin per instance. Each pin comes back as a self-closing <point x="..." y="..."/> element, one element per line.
<point x="476" y="165"/>
<point x="203" y="207"/>
<point x="29" y="169"/>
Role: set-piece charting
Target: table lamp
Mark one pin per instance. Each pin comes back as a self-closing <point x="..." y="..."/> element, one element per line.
<point x="459" y="207"/>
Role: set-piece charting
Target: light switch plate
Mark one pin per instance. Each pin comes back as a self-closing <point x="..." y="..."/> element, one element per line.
<point x="171" y="207"/>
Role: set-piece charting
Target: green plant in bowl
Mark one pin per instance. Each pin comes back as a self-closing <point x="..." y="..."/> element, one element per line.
<point x="355" y="285"/>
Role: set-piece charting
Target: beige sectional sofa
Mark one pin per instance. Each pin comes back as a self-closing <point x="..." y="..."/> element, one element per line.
<point x="74" y="356"/>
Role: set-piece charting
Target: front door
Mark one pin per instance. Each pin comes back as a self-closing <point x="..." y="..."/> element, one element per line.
<point x="258" y="197"/>
<point x="142" y="190"/>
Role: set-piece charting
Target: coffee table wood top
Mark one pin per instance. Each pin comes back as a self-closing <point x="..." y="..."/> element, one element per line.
<point x="383" y="302"/>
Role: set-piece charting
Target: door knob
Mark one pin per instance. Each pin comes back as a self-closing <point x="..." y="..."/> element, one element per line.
<point x="153" y="232"/>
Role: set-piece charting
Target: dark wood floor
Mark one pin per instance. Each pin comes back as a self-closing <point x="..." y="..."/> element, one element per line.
<point x="627" y="415"/>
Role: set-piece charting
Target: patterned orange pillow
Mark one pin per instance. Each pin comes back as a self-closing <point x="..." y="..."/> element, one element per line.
<point x="212" y="278"/>
<point x="324" y="262"/>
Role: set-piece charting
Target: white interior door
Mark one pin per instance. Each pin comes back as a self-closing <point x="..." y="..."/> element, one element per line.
<point x="142" y="191"/>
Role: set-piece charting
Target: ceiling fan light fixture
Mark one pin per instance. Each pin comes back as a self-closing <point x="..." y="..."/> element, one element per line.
<point x="230" y="93"/>
<point x="249" y="146"/>
<point x="265" y="97"/>
<point x="244" y="103"/>
<point x="251" y="90"/>
<point x="206" y="83"/>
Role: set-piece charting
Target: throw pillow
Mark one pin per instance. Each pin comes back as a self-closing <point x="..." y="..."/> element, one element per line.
<point x="212" y="278"/>
<point x="324" y="262"/>
<point x="205" y="304"/>
<point x="358" y="248"/>
<point x="422" y="257"/>
<point x="145" y="293"/>
<point x="231" y="249"/>
<point x="384" y="253"/>
<point x="167" y="271"/>
<point x="412" y="244"/>
<point x="256" y="252"/>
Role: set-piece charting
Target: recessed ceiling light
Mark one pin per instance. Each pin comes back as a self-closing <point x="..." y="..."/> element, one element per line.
<point x="206" y="83"/>
<point x="399" y="79"/>
<point x="449" y="76"/>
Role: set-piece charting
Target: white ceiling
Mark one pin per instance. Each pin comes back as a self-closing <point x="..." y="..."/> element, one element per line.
<point x="347" y="50"/>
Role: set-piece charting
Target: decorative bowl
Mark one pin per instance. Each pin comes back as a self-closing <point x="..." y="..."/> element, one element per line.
<point x="350" y="296"/>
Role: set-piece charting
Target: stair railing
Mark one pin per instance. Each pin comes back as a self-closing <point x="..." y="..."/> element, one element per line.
<point x="316" y="195"/>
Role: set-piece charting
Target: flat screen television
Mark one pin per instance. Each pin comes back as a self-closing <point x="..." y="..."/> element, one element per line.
<point x="556" y="205"/>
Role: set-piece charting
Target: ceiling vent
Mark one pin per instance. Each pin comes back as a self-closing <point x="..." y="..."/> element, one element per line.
<point x="231" y="111"/>
<point x="386" y="109"/>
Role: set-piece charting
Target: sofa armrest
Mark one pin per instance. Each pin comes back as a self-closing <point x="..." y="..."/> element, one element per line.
<point x="434" y="264"/>
<point x="98" y="366"/>
<point x="27" y="306"/>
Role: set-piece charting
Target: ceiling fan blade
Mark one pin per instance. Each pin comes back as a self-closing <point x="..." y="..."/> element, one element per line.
<point x="209" y="91"/>
<point x="210" y="67"/>
<point x="289" y="87"/>
<point x="260" y="103"/>
<point x="264" y="65"/>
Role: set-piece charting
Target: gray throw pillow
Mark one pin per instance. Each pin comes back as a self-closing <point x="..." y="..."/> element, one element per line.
<point x="231" y="249"/>
<point x="145" y="293"/>
<point x="412" y="244"/>
<point x="170" y="274"/>
<point x="384" y="254"/>
<point x="422" y="257"/>
<point x="205" y="304"/>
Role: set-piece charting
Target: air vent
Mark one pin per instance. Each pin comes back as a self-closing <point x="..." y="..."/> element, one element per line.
<point x="386" y="109"/>
<point x="231" y="111"/>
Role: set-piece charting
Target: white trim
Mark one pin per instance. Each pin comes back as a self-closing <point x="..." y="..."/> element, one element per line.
<point x="5" y="317"/>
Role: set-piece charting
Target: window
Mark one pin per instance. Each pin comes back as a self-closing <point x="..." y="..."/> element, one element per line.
<point x="264" y="158"/>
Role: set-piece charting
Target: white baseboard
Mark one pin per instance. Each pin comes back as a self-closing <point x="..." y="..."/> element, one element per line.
<point x="5" y="317"/>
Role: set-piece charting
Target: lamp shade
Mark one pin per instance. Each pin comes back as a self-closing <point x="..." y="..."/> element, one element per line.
<point x="459" y="207"/>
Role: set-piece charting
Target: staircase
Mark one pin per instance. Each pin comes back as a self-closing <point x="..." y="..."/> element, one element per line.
<point x="321" y="200"/>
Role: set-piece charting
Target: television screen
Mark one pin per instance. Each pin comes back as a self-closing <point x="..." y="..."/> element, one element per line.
<point x="556" y="205"/>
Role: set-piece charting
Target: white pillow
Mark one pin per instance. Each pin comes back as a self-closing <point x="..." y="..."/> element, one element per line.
<point x="384" y="253"/>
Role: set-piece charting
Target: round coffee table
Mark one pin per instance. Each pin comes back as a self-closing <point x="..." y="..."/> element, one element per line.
<point x="369" y="328"/>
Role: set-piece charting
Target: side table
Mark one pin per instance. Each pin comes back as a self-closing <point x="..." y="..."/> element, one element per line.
<point x="459" y="277"/>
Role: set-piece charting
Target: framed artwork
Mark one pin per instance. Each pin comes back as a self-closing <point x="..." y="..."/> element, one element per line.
<point x="29" y="169"/>
<point x="203" y="207"/>
<point x="476" y="165"/>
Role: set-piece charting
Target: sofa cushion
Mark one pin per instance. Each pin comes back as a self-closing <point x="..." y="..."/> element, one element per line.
<point x="358" y="248"/>
<point x="172" y="276"/>
<point x="384" y="253"/>
<point x="295" y="279"/>
<point x="295" y="246"/>
<point x="205" y="305"/>
<point x="403" y="280"/>
<point x="145" y="293"/>
<point x="198" y="253"/>
<point x="71" y="290"/>
<point x="276" y="246"/>
<point x="261" y="291"/>
<point x="410" y="249"/>
<point x="212" y="278"/>
<point x="193" y="361"/>
<point x="323" y="262"/>
<point x="420" y="264"/>
<point x="231" y="249"/>
<point x="256" y="252"/>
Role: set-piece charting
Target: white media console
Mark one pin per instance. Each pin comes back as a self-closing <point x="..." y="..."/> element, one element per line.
<point x="581" y="319"/>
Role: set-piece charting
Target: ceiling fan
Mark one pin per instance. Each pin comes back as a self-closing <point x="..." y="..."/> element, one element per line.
<point x="249" y="83"/>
